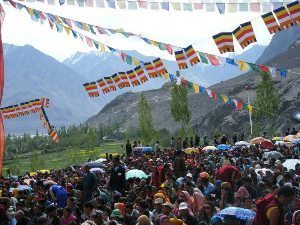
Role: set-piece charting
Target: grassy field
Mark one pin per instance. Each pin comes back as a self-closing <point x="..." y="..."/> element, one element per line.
<point x="63" y="158"/>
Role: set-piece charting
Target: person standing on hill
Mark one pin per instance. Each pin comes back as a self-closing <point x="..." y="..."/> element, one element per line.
<point x="197" y="141"/>
<point x="128" y="148"/>
<point x="179" y="165"/>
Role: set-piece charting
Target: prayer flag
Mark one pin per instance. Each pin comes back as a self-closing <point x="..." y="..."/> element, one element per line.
<point x="248" y="33"/>
<point x="165" y="5"/>
<point x="159" y="66"/>
<point x="213" y="59"/>
<point x="140" y="72"/>
<point x="294" y="10"/>
<point x="109" y="81"/>
<point x="100" y="4"/>
<point x="243" y="7"/>
<point x="198" y="6"/>
<point x="243" y="65"/>
<point x="231" y="62"/>
<point x="254" y="7"/>
<point x="187" y="6"/>
<point x="121" y="4"/>
<point x="103" y="86"/>
<point x="89" y="41"/>
<point x="53" y="135"/>
<point x="196" y="88"/>
<point x="132" y="5"/>
<point x="111" y="4"/>
<point x="91" y="89"/>
<point x="232" y="7"/>
<point x="116" y="79"/>
<point x="284" y="18"/>
<point x="180" y="58"/>
<point x="151" y="70"/>
<point x="221" y="7"/>
<point x="142" y="4"/>
<point x="203" y="57"/>
<point x="154" y="5"/>
<point x="224" y="42"/>
<point x="133" y="78"/>
<point x="271" y="23"/>
<point x="191" y="55"/>
<point x="89" y="3"/>
<point x="124" y="80"/>
<point x="176" y="6"/>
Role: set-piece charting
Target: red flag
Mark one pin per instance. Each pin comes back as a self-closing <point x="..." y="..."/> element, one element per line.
<point x="2" y="13"/>
<point x="213" y="59"/>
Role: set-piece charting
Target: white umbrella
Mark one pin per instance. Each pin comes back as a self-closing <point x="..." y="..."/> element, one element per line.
<point x="100" y="160"/>
<point x="241" y="143"/>
<point x="272" y="155"/>
<point x="291" y="163"/>
<point x="97" y="170"/>
<point x="264" y="170"/>
<point x="21" y="188"/>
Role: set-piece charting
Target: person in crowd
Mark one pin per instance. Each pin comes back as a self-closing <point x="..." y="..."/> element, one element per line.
<point x="191" y="144"/>
<point x="185" y="143"/>
<point x="185" y="214"/>
<point x="59" y="195"/>
<point x="179" y="144"/>
<point x="52" y="217"/>
<point x="207" y="212"/>
<point x="67" y="217"/>
<point x="128" y="148"/>
<point x="179" y="165"/>
<point x="197" y="140"/>
<point x="117" y="181"/>
<point x="89" y="184"/>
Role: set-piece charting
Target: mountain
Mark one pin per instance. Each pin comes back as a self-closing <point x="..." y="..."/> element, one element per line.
<point x="207" y="114"/>
<point x="31" y="74"/>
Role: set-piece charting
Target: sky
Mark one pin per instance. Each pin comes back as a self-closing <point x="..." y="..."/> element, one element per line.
<point x="176" y="28"/>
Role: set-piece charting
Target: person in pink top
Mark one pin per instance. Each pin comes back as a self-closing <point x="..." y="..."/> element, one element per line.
<point x="67" y="217"/>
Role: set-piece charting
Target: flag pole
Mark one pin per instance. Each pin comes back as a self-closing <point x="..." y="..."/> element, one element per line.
<point x="250" y="113"/>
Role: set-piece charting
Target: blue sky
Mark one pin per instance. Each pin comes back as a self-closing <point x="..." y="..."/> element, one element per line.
<point x="177" y="28"/>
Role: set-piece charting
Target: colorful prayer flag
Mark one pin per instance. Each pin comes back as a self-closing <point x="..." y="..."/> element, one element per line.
<point x="196" y="88"/>
<point x="180" y="58"/>
<point x="109" y="81"/>
<point x="191" y="55"/>
<point x="248" y="33"/>
<point x="103" y="86"/>
<point x="165" y="6"/>
<point x="91" y="89"/>
<point x="133" y="78"/>
<point x="243" y="65"/>
<point x="140" y="72"/>
<point x="294" y="10"/>
<point x="111" y="4"/>
<point x="254" y="7"/>
<point x="151" y="70"/>
<point x="203" y="57"/>
<point x="213" y="59"/>
<point x="284" y="18"/>
<point x="142" y="4"/>
<point x="224" y="42"/>
<point x="271" y="23"/>
<point x="124" y="80"/>
<point x="159" y="66"/>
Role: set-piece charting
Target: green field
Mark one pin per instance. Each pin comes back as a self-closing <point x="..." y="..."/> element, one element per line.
<point x="63" y="158"/>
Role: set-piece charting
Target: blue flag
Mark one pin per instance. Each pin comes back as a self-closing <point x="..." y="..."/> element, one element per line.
<point x="202" y="89"/>
<point x="111" y="4"/>
<point x="221" y="7"/>
<point x="165" y="5"/>
<point x="61" y="2"/>
<point x="231" y="62"/>
<point x="283" y="73"/>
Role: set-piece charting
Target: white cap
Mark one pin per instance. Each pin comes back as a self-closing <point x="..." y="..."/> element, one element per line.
<point x="159" y="201"/>
<point x="183" y="205"/>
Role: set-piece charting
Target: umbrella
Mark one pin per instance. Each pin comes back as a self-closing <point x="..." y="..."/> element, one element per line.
<point x="277" y="139"/>
<point x="257" y="140"/>
<point x="240" y="213"/>
<point x="272" y="155"/>
<point x="191" y="150"/>
<point x="21" y="188"/>
<point x="100" y="160"/>
<point x="290" y="137"/>
<point x="97" y="170"/>
<point x="267" y="144"/>
<point x="291" y="163"/>
<point x="241" y="143"/>
<point x="264" y="170"/>
<point x="210" y="148"/>
<point x="93" y="164"/>
<point x="295" y="141"/>
<point x="136" y="174"/>
<point x="223" y="147"/>
<point x="280" y="143"/>
<point x="147" y="149"/>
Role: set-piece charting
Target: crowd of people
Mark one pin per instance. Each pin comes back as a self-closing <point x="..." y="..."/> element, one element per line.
<point x="191" y="189"/>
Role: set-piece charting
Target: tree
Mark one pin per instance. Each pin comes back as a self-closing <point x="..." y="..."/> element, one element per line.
<point x="91" y="143"/>
<point x="15" y="166"/>
<point x="36" y="162"/>
<point x="179" y="106"/>
<point x="267" y="102"/>
<point x="146" y="128"/>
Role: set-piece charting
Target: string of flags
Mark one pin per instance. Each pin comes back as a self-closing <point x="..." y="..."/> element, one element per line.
<point x="239" y="105"/>
<point x="184" y="57"/>
<point x="132" y="78"/>
<point x="29" y="108"/>
<point x="176" y="6"/>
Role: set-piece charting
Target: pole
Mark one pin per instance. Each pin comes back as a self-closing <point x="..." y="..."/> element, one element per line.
<point x="250" y="113"/>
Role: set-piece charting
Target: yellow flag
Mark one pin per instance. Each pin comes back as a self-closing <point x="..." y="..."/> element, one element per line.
<point x="250" y="108"/>
<point x="57" y="19"/>
<point x="166" y="76"/>
<point x="102" y="47"/>
<point x="136" y="61"/>
<point x="196" y="88"/>
<point x="243" y="65"/>
<point x="85" y="27"/>
<point x="153" y="43"/>
<point x="30" y="11"/>
<point x="225" y="98"/>
<point x="67" y="29"/>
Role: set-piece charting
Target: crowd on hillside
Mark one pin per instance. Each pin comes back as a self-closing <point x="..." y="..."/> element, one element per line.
<point x="237" y="186"/>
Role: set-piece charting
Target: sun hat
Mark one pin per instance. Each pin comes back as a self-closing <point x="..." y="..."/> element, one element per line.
<point x="183" y="205"/>
<point x="116" y="213"/>
<point x="204" y="175"/>
<point x="225" y="185"/>
<point x="159" y="201"/>
<point x="168" y="204"/>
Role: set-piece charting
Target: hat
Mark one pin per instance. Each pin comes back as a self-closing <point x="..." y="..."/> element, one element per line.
<point x="168" y="204"/>
<point x="97" y="213"/>
<point x="116" y="213"/>
<point x="159" y="201"/>
<point x="225" y="185"/>
<point x="189" y="175"/>
<point x="183" y="205"/>
<point x="204" y="175"/>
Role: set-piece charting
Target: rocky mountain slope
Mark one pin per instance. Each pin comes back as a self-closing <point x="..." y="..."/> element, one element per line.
<point x="208" y="114"/>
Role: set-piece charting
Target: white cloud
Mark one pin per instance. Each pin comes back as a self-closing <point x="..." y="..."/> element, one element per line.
<point x="177" y="28"/>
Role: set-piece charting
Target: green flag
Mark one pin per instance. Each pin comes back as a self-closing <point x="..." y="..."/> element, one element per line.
<point x="203" y="57"/>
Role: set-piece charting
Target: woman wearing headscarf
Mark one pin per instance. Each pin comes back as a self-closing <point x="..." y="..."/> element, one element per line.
<point x="59" y="195"/>
<point x="198" y="201"/>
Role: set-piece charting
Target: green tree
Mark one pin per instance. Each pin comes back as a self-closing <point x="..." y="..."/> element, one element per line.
<point x="36" y="161"/>
<point x="267" y="102"/>
<point x="146" y="128"/>
<point x="16" y="164"/>
<point x="179" y="106"/>
<point x="91" y="143"/>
